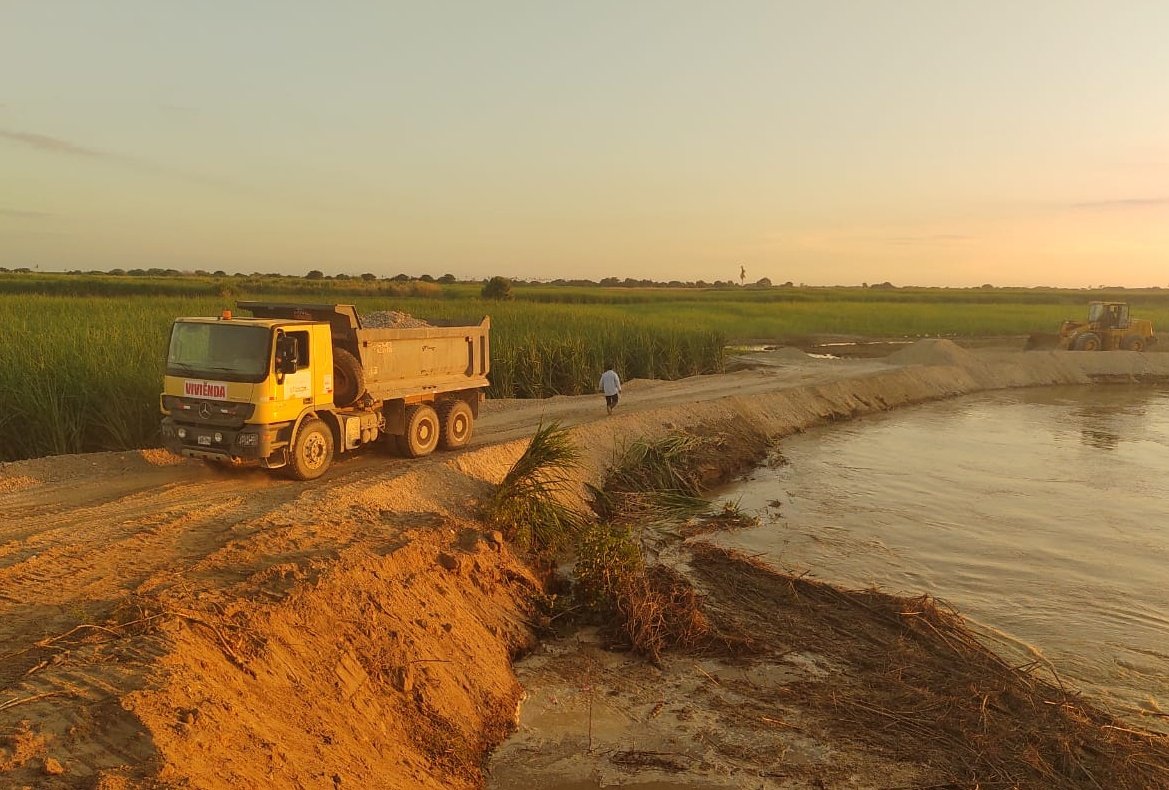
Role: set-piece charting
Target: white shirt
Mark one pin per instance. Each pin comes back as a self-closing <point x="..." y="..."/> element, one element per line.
<point x="610" y="383"/>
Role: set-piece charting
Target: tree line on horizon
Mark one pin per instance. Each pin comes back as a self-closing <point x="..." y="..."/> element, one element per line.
<point x="317" y="275"/>
<point x="445" y="279"/>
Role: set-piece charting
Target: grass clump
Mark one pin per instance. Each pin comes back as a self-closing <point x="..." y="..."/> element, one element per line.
<point x="653" y="481"/>
<point x="649" y="606"/>
<point x="666" y="464"/>
<point x="607" y="556"/>
<point x="529" y="506"/>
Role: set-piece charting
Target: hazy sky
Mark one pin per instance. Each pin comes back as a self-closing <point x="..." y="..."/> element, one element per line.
<point x="937" y="143"/>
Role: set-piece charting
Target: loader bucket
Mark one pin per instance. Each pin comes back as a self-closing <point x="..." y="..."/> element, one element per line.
<point x="1042" y="341"/>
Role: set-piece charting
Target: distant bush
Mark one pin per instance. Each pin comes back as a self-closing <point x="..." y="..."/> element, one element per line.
<point x="315" y="274"/>
<point x="425" y="290"/>
<point x="498" y="288"/>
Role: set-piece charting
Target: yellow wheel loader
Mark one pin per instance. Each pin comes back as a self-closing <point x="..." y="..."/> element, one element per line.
<point x="1108" y="328"/>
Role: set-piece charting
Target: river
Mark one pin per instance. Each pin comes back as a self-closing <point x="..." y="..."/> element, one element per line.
<point x="1042" y="515"/>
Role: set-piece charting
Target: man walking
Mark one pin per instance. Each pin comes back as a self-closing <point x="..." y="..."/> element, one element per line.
<point x="611" y="386"/>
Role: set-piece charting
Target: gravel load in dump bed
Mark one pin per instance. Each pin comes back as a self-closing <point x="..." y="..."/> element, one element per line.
<point x="391" y="319"/>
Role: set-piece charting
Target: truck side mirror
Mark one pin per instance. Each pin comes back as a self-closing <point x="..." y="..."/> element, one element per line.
<point x="286" y="355"/>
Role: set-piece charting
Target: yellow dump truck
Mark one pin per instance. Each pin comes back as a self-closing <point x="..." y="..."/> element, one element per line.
<point x="1108" y="328"/>
<point x="294" y="385"/>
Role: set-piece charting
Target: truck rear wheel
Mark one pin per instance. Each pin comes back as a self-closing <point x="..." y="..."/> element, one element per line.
<point x="421" y="435"/>
<point x="348" y="378"/>
<point x="1086" y="341"/>
<point x="458" y="421"/>
<point x="312" y="450"/>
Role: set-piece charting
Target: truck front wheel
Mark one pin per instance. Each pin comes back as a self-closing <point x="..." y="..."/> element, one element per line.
<point x="421" y="435"/>
<point x="312" y="450"/>
<point x="457" y="421"/>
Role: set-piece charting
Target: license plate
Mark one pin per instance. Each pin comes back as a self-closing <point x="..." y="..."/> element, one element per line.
<point x="204" y="440"/>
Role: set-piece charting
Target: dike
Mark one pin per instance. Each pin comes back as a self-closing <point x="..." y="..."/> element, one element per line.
<point x="363" y="634"/>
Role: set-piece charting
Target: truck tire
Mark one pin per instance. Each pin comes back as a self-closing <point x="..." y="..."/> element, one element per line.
<point x="311" y="452"/>
<point x="421" y="435"/>
<point x="348" y="378"/>
<point x="458" y="422"/>
<point x="1133" y="343"/>
<point x="1086" y="341"/>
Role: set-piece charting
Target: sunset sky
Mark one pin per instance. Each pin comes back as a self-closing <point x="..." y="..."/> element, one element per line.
<point x="825" y="142"/>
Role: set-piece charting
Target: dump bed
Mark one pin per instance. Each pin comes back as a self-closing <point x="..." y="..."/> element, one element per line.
<point x="400" y="362"/>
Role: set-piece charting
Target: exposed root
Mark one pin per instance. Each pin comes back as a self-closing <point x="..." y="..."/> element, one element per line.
<point x="658" y="610"/>
<point x="926" y="689"/>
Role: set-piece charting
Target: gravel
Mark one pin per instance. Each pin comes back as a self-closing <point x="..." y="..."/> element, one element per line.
<point x="391" y="319"/>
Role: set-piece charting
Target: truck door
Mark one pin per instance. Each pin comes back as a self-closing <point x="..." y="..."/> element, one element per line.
<point x="299" y="385"/>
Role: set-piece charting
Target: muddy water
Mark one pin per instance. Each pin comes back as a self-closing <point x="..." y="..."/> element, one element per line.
<point x="1040" y="514"/>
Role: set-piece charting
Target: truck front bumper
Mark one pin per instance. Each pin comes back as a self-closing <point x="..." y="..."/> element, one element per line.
<point x="250" y="444"/>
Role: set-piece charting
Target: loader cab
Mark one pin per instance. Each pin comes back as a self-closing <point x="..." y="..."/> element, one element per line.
<point x="1109" y="315"/>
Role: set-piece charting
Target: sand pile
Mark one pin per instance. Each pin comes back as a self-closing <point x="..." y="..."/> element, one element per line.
<point x="391" y="319"/>
<point x="933" y="352"/>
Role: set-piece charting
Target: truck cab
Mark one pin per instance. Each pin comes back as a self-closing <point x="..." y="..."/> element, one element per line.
<point x="235" y="387"/>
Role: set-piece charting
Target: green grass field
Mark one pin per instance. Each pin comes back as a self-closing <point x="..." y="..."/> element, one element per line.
<point x="83" y="354"/>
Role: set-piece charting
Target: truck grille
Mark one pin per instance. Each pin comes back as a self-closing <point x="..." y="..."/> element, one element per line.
<point x="208" y="412"/>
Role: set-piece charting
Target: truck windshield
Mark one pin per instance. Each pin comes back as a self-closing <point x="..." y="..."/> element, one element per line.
<point x="219" y="351"/>
<point x="1095" y="311"/>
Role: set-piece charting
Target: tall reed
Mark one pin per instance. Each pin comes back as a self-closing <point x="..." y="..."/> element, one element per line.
<point x="81" y="357"/>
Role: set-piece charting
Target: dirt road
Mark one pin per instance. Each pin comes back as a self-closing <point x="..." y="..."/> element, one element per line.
<point x="129" y="579"/>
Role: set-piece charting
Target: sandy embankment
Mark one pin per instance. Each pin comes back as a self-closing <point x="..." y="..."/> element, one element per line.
<point x="161" y="621"/>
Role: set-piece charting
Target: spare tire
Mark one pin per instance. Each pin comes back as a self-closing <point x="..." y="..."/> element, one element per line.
<point x="348" y="378"/>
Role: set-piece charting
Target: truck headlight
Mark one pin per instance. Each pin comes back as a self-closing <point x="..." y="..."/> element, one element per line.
<point x="182" y="433"/>
<point x="218" y="437"/>
<point x="248" y="439"/>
